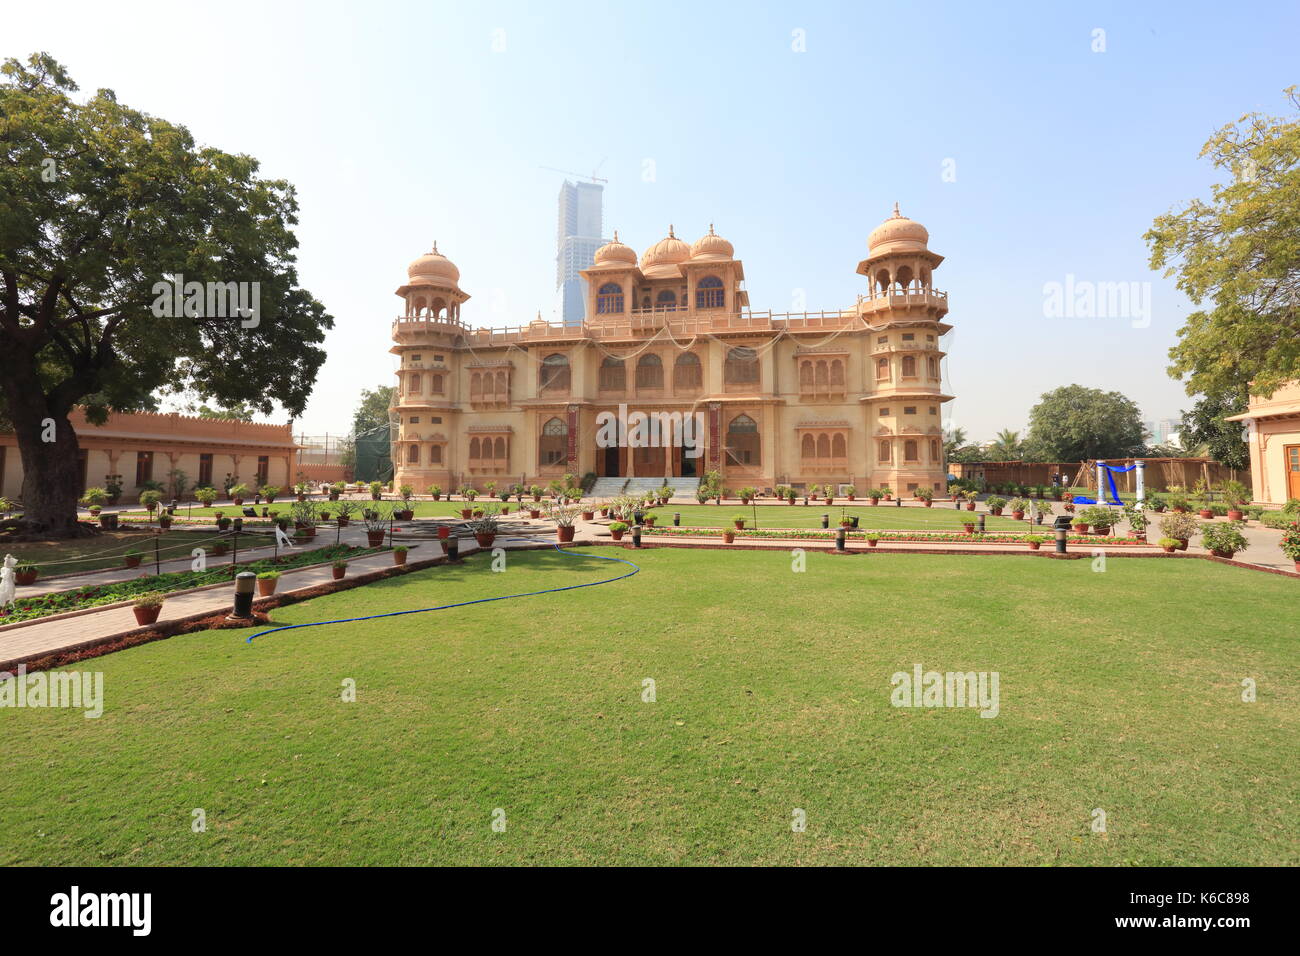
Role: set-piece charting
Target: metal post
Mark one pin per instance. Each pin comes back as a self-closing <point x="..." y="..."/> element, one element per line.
<point x="243" y="609"/>
<point x="677" y="519"/>
<point x="453" y="548"/>
<point x="1141" y="479"/>
<point x="981" y="527"/>
<point x="235" y="560"/>
<point x="826" y="521"/>
<point x="636" y="536"/>
<point x="839" y="539"/>
<point x="157" y="564"/>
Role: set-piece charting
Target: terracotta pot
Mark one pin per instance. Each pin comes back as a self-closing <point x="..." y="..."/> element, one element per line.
<point x="744" y="501"/>
<point x="1207" y="514"/>
<point x="1182" y="544"/>
<point x="846" y="523"/>
<point x="334" y="496"/>
<point x="852" y="498"/>
<point x="970" y="506"/>
<point x="266" y="586"/>
<point x="399" y="557"/>
<point x="1179" y="509"/>
<point x="444" y="532"/>
<point x="29" y="577"/>
<point x="995" y="511"/>
<point x="1018" y="515"/>
<point x="338" y="573"/>
<point x="537" y="497"/>
<point x="130" y="563"/>
<point x="740" y="525"/>
<point x="505" y="509"/>
<point x="875" y="501"/>
<point x="1034" y="545"/>
<point x="616" y="535"/>
<point x="375" y="538"/>
<point x="344" y="522"/>
<point x="1081" y="528"/>
<point x="146" y="615"/>
<point x="565" y="534"/>
<point x="588" y="516"/>
<point x="1235" y="515"/>
<point x="1169" y="548"/>
<point x="485" y="540"/>
<point x="467" y="513"/>
<point x="969" y="526"/>
<point x="1222" y="553"/>
<point x="1297" y="567"/>
<point x="929" y="503"/>
<point x="534" y="513"/>
<point x="324" y="516"/>
<point x="871" y="544"/>
<point x="218" y="549"/>
<point x="1137" y="535"/>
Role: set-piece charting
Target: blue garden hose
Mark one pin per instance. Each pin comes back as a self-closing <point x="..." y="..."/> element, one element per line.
<point x="444" y="607"/>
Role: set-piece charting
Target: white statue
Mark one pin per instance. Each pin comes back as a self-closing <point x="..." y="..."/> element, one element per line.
<point x="7" y="587"/>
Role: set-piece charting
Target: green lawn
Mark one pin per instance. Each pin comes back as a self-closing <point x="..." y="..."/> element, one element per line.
<point x="1119" y="691"/>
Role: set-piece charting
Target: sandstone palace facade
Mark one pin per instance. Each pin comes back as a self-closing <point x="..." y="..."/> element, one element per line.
<point x="848" y="397"/>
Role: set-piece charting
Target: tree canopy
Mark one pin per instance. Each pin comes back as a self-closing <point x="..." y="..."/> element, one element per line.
<point x="1239" y="253"/>
<point x="372" y="409"/>
<point x="102" y="202"/>
<point x="1074" y="423"/>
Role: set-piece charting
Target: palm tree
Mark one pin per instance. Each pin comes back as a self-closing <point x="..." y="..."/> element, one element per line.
<point x="1007" y="446"/>
<point x="953" y="439"/>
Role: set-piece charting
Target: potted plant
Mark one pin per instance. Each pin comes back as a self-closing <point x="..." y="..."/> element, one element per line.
<point x="338" y="569"/>
<point x="872" y="539"/>
<point x="1290" y="543"/>
<point x="306" y="515"/>
<point x="219" y="548"/>
<point x="113" y="485"/>
<point x="300" y="489"/>
<point x="207" y="497"/>
<point x="925" y="495"/>
<point x="886" y="492"/>
<point x="790" y="496"/>
<point x="435" y="491"/>
<point x="1137" y="522"/>
<point x="971" y="497"/>
<point x="150" y="499"/>
<point x="1035" y="541"/>
<point x="738" y="521"/>
<point x="147" y="606"/>
<point x="336" y="489"/>
<point x="266" y="582"/>
<point x="1149" y="503"/>
<point x="269" y="492"/>
<point x="399" y="554"/>
<point x="1017" y="506"/>
<point x="969" y="526"/>
<point x="406" y="512"/>
<point x="1223" y="539"/>
<point x="377" y="524"/>
<point x="648" y="519"/>
<point x="376" y="490"/>
<point x="745" y="495"/>
<point x="536" y="492"/>
<point x="534" y="512"/>
<point x="1176" y="500"/>
<point x="728" y="535"/>
<point x="995" y="505"/>
<point x="164" y="521"/>
<point x="1169" y="545"/>
<point x="851" y="492"/>
<point x="237" y="493"/>
<point x="26" y="573"/>
<point x="346" y="510"/>
<point x="484" y="526"/>
<point x="132" y="558"/>
<point x="563" y="515"/>
<point x="588" y="515"/>
<point x="1180" y="526"/>
<point x="617" y="529"/>
<point x="1235" y="495"/>
<point x="1102" y="520"/>
<point x="94" y="499"/>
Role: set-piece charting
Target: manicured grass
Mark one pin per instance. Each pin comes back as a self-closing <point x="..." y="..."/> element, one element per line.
<point x="105" y="550"/>
<point x="1119" y="690"/>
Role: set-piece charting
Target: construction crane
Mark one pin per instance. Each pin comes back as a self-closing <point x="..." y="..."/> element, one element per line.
<point x="568" y="172"/>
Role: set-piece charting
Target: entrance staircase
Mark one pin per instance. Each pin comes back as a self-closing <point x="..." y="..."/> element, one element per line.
<point x="683" y="488"/>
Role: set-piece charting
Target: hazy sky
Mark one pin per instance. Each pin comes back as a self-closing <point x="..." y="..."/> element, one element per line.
<point x="793" y="127"/>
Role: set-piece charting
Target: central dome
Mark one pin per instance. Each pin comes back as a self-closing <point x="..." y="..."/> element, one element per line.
<point x="664" y="256"/>
<point x="898" y="234"/>
<point x="433" y="265"/>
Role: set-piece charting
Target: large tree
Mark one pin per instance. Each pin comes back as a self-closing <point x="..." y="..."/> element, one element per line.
<point x="1205" y="426"/>
<point x="372" y="409"/>
<point x="1240" y="254"/>
<point x="100" y="203"/>
<point x="1073" y="423"/>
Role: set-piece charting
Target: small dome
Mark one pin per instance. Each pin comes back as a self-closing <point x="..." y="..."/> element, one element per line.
<point x="712" y="246"/>
<point x="665" y="254"/>
<point x="898" y="234"/>
<point x="433" y="265"/>
<point x="615" y="252"/>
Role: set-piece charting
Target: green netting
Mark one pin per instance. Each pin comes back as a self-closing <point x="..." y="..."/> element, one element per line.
<point x="374" y="455"/>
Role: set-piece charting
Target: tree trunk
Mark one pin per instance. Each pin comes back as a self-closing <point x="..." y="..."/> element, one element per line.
<point x="51" y="472"/>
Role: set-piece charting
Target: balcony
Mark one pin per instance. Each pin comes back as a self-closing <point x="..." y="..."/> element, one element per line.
<point x="913" y="299"/>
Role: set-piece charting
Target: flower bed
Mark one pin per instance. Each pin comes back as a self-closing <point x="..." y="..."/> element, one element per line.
<point x="935" y="536"/>
<point x="26" y="609"/>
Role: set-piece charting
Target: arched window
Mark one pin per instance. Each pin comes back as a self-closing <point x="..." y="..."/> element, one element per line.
<point x="413" y="383"/>
<point x="412" y="454"/>
<point x="613" y="375"/>
<point x="909" y="450"/>
<point x="808" y="447"/>
<point x="741" y="366"/>
<point x="909" y="366"/>
<point x="821" y="375"/>
<point x="886" y="451"/>
<point x="904" y="278"/>
<point x="666" y="300"/>
<point x="555" y="372"/>
<point x="489" y="390"/>
<point x="882" y="369"/>
<point x="882" y="280"/>
<point x="499" y="449"/>
<point x="743" y="442"/>
<point x="837" y="373"/>
<point x="609" y="298"/>
<point x="649" y="371"/>
<point x="474" y="451"/>
<point x="823" y="446"/>
<point x="709" y="294"/>
<point x="435" y="454"/>
<point x="687" y="371"/>
<point x="838" y="447"/>
<point x="806" y="375"/>
<point x="553" y="446"/>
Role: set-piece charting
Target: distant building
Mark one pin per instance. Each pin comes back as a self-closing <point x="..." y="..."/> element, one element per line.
<point x="1166" y="427"/>
<point x="577" y="237"/>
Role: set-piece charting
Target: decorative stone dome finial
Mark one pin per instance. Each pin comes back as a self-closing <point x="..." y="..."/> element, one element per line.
<point x="898" y="234"/>
<point x="712" y="246"/>
<point x="897" y="214"/>
<point x="670" y="231"/>
<point x="434" y="265"/>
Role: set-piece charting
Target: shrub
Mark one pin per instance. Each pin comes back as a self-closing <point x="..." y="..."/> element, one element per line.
<point x="150" y="499"/>
<point x="1223" y="536"/>
<point x="1034" y="539"/>
<point x="1181" y="526"/>
<point x="617" y="526"/>
<point x="95" y="497"/>
<point x="1018" y="504"/>
<point x="206" y="496"/>
<point x="238" y="491"/>
<point x="268" y="576"/>
<point x="150" y="599"/>
<point x="376" y="490"/>
<point x="340" y="563"/>
<point x="924" y="494"/>
<point x="270" y="492"/>
<point x="401" y="549"/>
<point x="1291" y="541"/>
<point x="995" y="502"/>
<point x="1276" y="519"/>
<point x="1169" y="542"/>
<point x="1292" y="506"/>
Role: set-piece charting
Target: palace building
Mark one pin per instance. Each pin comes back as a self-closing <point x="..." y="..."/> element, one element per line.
<point x="845" y="397"/>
